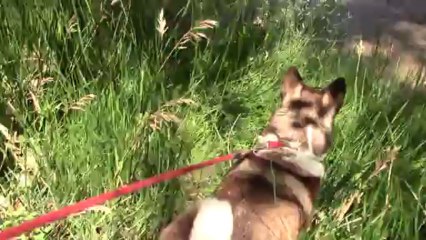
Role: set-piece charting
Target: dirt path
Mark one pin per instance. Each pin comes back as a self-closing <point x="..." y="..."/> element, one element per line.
<point x="399" y="26"/>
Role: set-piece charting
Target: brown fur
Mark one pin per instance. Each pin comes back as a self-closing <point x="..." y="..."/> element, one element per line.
<point x="259" y="211"/>
<point x="270" y="199"/>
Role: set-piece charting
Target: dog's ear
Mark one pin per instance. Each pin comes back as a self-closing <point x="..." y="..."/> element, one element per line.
<point x="334" y="94"/>
<point x="292" y="82"/>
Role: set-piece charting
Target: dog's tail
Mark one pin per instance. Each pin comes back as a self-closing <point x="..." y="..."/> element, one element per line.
<point x="214" y="221"/>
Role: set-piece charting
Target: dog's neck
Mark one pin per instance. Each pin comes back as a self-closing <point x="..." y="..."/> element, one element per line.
<point x="298" y="171"/>
<point x="304" y="161"/>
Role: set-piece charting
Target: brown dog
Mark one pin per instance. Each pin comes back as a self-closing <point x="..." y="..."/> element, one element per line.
<point x="269" y="193"/>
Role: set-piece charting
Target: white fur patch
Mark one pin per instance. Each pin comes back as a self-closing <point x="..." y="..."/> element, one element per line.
<point x="308" y="162"/>
<point x="214" y="221"/>
<point x="309" y="136"/>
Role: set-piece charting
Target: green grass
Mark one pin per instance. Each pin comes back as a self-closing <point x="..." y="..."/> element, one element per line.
<point x="233" y="82"/>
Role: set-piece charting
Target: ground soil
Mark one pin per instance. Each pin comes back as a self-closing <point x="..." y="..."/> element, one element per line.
<point x="398" y="27"/>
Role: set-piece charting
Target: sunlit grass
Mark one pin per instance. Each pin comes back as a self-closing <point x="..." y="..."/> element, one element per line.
<point x="96" y="104"/>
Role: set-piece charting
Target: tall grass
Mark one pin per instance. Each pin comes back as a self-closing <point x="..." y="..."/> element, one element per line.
<point x="94" y="96"/>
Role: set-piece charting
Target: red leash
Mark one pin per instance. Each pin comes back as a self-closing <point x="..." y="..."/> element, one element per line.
<point x="101" y="199"/>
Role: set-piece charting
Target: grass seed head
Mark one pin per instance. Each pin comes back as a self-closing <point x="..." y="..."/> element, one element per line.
<point x="161" y="24"/>
<point x="82" y="102"/>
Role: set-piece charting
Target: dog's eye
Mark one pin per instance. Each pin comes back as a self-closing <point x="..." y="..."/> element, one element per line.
<point x="299" y="104"/>
<point x="323" y="111"/>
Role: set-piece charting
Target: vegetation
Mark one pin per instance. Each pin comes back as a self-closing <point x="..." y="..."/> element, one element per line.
<point x="95" y="95"/>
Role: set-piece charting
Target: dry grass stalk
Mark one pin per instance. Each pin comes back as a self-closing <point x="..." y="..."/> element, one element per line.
<point x="5" y="132"/>
<point x="114" y="2"/>
<point x="36" y="57"/>
<point x="35" y="102"/>
<point x="206" y="24"/>
<point x="10" y="142"/>
<point x="193" y="35"/>
<point x="72" y="25"/>
<point x="341" y="212"/>
<point x="160" y="116"/>
<point x="161" y="24"/>
<point x="391" y="155"/>
<point x="39" y="82"/>
<point x="179" y="101"/>
<point x="36" y="81"/>
<point x="82" y="102"/>
<point x="360" y="48"/>
<point x="157" y="118"/>
<point x="25" y="159"/>
<point x="11" y="110"/>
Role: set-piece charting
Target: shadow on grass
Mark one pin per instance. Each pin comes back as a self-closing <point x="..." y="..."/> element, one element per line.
<point x="403" y="21"/>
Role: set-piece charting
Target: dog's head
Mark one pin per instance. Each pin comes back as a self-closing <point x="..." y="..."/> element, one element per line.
<point x="306" y="114"/>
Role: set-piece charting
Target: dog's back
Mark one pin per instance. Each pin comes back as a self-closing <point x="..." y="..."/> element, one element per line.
<point x="269" y="193"/>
